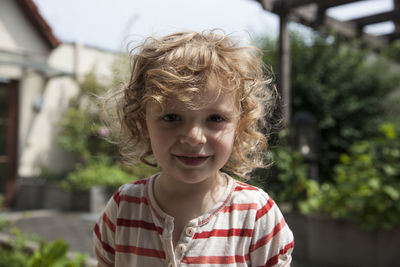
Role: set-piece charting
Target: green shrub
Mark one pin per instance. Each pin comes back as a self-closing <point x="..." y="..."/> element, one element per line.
<point x="82" y="130"/>
<point x="366" y="184"/>
<point x="393" y="51"/>
<point x="101" y="172"/>
<point x="10" y="258"/>
<point x="350" y="90"/>
<point x="84" y="135"/>
<point x="54" y="254"/>
<point x="49" y="254"/>
<point x="286" y="180"/>
<point x="343" y="85"/>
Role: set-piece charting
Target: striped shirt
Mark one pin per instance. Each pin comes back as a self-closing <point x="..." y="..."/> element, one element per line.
<point x="245" y="228"/>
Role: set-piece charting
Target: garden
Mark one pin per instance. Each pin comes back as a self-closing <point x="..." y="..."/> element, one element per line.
<point x="355" y="98"/>
<point x="352" y="205"/>
<point x="352" y="94"/>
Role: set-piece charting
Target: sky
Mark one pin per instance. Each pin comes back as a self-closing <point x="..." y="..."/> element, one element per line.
<point x="111" y="24"/>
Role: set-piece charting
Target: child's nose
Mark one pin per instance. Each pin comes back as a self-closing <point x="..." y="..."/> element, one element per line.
<point x="193" y="135"/>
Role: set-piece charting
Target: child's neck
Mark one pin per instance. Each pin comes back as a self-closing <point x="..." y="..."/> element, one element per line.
<point x="189" y="200"/>
<point x="185" y="202"/>
<point x="172" y="188"/>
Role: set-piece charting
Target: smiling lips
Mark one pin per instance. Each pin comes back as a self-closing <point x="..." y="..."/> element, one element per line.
<point x="192" y="160"/>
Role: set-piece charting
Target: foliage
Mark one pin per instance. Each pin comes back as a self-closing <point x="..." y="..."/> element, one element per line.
<point x="393" y="51"/>
<point x="102" y="172"/>
<point x="49" y="254"/>
<point x="3" y="221"/>
<point x="350" y="91"/>
<point x="11" y="259"/>
<point x="342" y="85"/>
<point x="91" y="86"/>
<point x="286" y="180"/>
<point x="292" y="171"/>
<point x="54" y="254"/>
<point x="84" y="134"/>
<point x="366" y="184"/>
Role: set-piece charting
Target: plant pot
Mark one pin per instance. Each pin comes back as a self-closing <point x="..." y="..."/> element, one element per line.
<point x="29" y="194"/>
<point x="92" y="200"/>
<point x="35" y="193"/>
<point x="324" y="241"/>
<point x="56" y="198"/>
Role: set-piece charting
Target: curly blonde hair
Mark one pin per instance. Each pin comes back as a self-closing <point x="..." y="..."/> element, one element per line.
<point x="178" y="66"/>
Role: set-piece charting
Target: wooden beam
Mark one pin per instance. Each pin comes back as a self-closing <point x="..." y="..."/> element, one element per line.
<point x="308" y="15"/>
<point x="392" y="36"/>
<point x="325" y="3"/>
<point x="396" y="4"/>
<point x="335" y="3"/>
<point x="284" y="79"/>
<point x="12" y="143"/>
<point x="377" y="18"/>
<point x="297" y="3"/>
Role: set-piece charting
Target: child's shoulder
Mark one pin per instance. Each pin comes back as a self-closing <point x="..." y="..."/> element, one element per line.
<point x="243" y="191"/>
<point x="134" y="187"/>
<point x="132" y="192"/>
<point x="253" y="198"/>
<point x="248" y="189"/>
<point x="127" y="198"/>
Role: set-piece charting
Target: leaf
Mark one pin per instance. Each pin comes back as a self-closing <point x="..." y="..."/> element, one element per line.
<point x="344" y="158"/>
<point x="389" y="170"/>
<point x="374" y="183"/>
<point x="388" y="130"/>
<point x="391" y="192"/>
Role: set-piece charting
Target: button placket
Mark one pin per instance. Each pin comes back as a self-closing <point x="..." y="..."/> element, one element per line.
<point x="168" y="227"/>
<point x="181" y="248"/>
<point x="189" y="231"/>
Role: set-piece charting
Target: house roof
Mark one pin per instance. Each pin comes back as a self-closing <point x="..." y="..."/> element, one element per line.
<point x="31" y="11"/>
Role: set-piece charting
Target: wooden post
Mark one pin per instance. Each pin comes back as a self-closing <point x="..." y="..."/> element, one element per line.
<point x="284" y="83"/>
<point x="12" y="143"/>
<point x="396" y="4"/>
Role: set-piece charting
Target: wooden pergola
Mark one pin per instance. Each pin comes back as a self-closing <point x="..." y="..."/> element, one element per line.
<point x="312" y="13"/>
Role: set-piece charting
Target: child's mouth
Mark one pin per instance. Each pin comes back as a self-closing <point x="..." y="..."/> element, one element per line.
<point x="192" y="160"/>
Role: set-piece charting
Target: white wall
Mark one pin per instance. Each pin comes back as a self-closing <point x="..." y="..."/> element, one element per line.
<point x="21" y="42"/>
<point x="17" y="33"/>
<point x="40" y="148"/>
<point x="38" y="129"/>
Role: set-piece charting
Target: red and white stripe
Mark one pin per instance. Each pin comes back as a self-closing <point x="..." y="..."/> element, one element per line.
<point x="246" y="229"/>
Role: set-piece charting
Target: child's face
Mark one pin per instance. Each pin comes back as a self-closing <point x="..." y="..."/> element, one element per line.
<point x="191" y="146"/>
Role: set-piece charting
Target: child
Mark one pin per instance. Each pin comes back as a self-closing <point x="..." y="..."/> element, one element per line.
<point x="196" y="103"/>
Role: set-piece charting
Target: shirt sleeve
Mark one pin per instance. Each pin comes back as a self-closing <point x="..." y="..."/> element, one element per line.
<point x="104" y="232"/>
<point x="273" y="241"/>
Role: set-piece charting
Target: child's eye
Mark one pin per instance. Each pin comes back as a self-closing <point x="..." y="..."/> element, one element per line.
<point x="170" y="118"/>
<point x="216" y="118"/>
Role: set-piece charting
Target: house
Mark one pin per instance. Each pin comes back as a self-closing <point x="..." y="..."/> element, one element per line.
<point x="38" y="77"/>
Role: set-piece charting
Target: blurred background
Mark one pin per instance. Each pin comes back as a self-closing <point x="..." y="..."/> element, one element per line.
<point x="336" y="160"/>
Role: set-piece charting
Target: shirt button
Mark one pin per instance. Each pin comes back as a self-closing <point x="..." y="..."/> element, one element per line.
<point x="181" y="248"/>
<point x="189" y="231"/>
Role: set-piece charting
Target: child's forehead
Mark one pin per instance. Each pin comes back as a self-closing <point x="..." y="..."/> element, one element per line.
<point x="224" y="101"/>
<point x="197" y="94"/>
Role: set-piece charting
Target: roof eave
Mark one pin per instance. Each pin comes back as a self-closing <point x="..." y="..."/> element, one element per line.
<point x="31" y="11"/>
